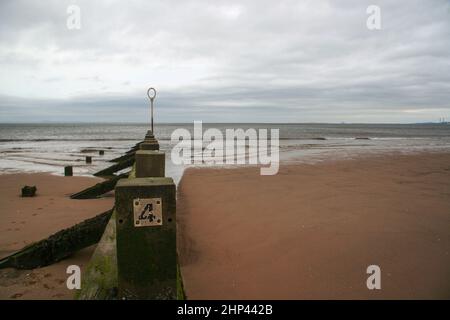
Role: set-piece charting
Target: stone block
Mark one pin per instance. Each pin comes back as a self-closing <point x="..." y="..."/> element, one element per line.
<point x="146" y="238"/>
<point x="150" y="163"/>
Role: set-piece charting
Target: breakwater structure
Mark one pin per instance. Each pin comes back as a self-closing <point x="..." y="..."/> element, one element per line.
<point x="136" y="256"/>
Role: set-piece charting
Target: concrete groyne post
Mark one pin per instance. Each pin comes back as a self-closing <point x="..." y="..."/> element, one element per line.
<point x="68" y="171"/>
<point x="149" y="143"/>
<point x="146" y="238"/>
<point x="88" y="159"/>
<point x="146" y="226"/>
<point x="150" y="163"/>
<point x="146" y="231"/>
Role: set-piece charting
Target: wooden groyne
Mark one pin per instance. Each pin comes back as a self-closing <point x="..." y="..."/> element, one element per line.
<point x="136" y="256"/>
<point x="100" y="188"/>
<point x="115" y="167"/>
<point x="59" y="245"/>
<point x="133" y="262"/>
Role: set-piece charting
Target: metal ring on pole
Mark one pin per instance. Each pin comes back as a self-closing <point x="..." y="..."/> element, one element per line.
<point x="151" y="95"/>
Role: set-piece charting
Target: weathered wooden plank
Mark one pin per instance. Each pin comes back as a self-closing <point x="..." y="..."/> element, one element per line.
<point x="99" y="189"/>
<point x="124" y="157"/>
<point x="59" y="245"/>
<point x="116" y="167"/>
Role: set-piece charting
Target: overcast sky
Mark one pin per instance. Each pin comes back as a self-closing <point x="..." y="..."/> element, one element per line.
<point x="225" y="61"/>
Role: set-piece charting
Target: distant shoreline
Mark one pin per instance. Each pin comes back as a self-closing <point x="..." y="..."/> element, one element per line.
<point x="269" y="123"/>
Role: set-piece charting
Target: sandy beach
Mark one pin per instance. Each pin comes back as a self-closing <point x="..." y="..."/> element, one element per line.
<point x="308" y="232"/>
<point x="312" y="230"/>
<point x="26" y="220"/>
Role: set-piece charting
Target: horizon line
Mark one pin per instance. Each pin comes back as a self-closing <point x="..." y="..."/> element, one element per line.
<point x="212" y="122"/>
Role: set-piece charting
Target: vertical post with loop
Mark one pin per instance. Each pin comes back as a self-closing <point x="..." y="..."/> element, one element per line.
<point x="151" y="93"/>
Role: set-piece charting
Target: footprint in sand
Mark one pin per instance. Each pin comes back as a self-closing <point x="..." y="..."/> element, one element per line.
<point x="17" y="229"/>
<point x="34" y="214"/>
<point x="58" y="295"/>
<point x="39" y="208"/>
<point x="59" y="281"/>
<point x="47" y="275"/>
<point x="22" y="222"/>
<point x="16" y="295"/>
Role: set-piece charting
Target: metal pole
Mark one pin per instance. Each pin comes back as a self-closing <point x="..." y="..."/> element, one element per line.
<point x="151" y="93"/>
<point x="152" y="113"/>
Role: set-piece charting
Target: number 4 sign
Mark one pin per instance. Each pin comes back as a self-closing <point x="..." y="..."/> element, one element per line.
<point x="147" y="212"/>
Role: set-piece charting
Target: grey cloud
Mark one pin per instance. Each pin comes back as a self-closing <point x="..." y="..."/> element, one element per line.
<point x="241" y="61"/>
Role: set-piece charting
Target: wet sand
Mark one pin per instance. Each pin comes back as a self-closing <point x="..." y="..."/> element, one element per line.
<point x="26" y="220"/>
<point x="312" y="230"/>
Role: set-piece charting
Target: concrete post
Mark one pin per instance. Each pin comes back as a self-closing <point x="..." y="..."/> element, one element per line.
<point x="149" y="134"/>
<point x="101" y="152"/>
<point x="150" y="163"/>
<point x="146" y="238"/>
<point x="68" y="172"/>
<point x="88" y="159"/>
<point x="149" y="146"/>
<point x="150" y="140"/>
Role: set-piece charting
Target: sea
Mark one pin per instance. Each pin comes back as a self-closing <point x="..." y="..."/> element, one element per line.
<point x="48" y="147"/>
